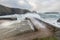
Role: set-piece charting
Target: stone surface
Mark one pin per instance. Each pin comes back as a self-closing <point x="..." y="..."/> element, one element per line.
<point x="16" y="28"/>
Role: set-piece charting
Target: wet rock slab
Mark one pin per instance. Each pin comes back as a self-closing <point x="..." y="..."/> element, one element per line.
<point x="16" y="28"/>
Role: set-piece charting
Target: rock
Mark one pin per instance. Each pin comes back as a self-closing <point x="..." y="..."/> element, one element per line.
<point x="8" y="11"/>
<point x="58" y="20"/>
<point x="16" y="28"/>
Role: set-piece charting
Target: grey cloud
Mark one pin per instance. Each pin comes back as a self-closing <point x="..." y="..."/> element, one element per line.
<point x="14" y="3"/>
<point x="37" y="5"/>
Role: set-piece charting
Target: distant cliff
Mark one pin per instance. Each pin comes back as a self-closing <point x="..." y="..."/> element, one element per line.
<point x="8" y="11"/>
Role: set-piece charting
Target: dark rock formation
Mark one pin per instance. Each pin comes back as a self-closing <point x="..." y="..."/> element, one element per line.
<point x="58" y="20"/>
<point x="8" y="11"/>
<point x="8" y="18"/>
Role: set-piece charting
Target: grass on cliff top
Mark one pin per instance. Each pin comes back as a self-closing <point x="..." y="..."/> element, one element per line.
<point x="47" y="38"/>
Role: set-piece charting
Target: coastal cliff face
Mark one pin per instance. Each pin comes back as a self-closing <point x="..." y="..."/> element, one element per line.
<point x="7" y="11"/>
<point x="4" y="9"/>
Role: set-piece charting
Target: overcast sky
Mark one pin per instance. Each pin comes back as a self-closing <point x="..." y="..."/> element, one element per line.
<point x="37" y="5"/>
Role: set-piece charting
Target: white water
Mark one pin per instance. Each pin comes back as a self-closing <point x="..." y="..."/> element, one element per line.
<point x="51" y="19"/>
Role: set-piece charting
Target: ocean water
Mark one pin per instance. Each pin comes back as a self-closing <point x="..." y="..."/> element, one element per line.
<point x="51" y="19"/>
<point x="48" y="18"/>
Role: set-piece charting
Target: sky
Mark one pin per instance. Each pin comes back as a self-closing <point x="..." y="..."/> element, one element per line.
<point x="36" y="5"/>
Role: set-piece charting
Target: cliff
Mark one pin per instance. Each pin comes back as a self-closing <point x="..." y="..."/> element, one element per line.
<point x="8" y="11"/>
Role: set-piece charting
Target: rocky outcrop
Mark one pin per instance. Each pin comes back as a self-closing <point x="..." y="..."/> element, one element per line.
<point x="7" y="11"/>
<point x="58" y="20"/>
